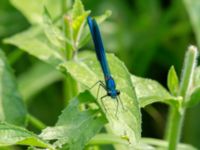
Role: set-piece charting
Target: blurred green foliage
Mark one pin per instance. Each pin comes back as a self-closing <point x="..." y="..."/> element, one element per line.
<point x="149" y="36"/>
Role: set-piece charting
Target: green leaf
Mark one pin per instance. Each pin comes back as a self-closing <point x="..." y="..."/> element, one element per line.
<point x="172" y="81"/>
<point x="193" y="7"/>
<point x="76" y="127"/>
<point x="194" y="97"/>
<point x="76" y="22"/>
<point x="103" y="17"/>
<point x="36" y="44"/>
<point x="33" y="9"/>
<point x="68" y="33"/>
<point x="42" y="74"/>
<point x="12" y="108"/>
<point x="149" y="91"/>
<point x="105" y="139"/>
<point x="7" y="11"/>
<point x="78" y="26"/>
<point x="78" y="9"/>
<point x="14" y="135"/>
<point x="87" y="72"/>
<point x="53" y="33"/>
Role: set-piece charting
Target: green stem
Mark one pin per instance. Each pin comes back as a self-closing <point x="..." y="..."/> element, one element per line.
<point x="70" y="85"/>
<point x="175" y="127"/>
<point x="163" y="144"/>
<point x="35" y="122"/>
<point x="104" y="139"/>
<point x="176" y="116"/>
<point x="70" y="88"/>
<point x="188" y="71"/>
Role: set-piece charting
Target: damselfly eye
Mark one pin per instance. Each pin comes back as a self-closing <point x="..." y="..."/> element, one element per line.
<point x="109" y="93"/>
<point x="118" y="92"/>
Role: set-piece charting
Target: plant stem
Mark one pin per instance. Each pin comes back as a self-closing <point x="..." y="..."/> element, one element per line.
<point x="70" y="88"/>
<point x="36" y="122"/>
<point x="176" y="116"/>
<point x="70" y="85"/>
<point x="175" y="127"/>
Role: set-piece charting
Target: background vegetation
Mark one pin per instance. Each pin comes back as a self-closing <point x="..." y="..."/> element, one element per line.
<point x="148" y="36"/>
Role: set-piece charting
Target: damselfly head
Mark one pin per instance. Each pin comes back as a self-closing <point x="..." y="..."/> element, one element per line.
<point x="113" y="93"/>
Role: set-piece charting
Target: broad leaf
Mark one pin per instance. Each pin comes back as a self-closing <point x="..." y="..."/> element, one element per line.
<point x="6" y="26"/>
<point x="193" y="7"/>
<point x="76" y="127"/>
<point x="33" y="9"/>
<point x="12" y="108"/>
<point x="78" y="9"/>
<point x="42" y="74"/>
<point x="36" y="44"/>
<point x="14" y="135"/>
<point x="149" y="91"/>
<point x="127" y="121"/>
<point x="53" y="33"/>
<point x="172" y="81"/>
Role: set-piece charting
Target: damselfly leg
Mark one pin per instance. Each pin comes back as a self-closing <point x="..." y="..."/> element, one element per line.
<point x="103" y="102"/>
<point x="101" y="84"/>
<point x="98" y="82"/>
<point x="119" y="99"/>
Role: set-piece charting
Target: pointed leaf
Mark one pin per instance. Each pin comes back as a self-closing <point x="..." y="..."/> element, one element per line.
<point x="88" y="72"/>
<point x="14" y="135"/>
<point x="149" y="91"/>
<point x="78" y="9"/>
<point x="12" y="108"/>
<point x="78" y="26"/>
<point x="33" y="9"/>
<point x="172" y="81"/>
<point x="53" y="33"/>
<point x="36" y="44"/>
<point x="75" y="127"/>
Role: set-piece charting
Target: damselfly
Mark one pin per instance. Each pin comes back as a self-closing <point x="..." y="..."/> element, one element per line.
<point x="109" y="84"/>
